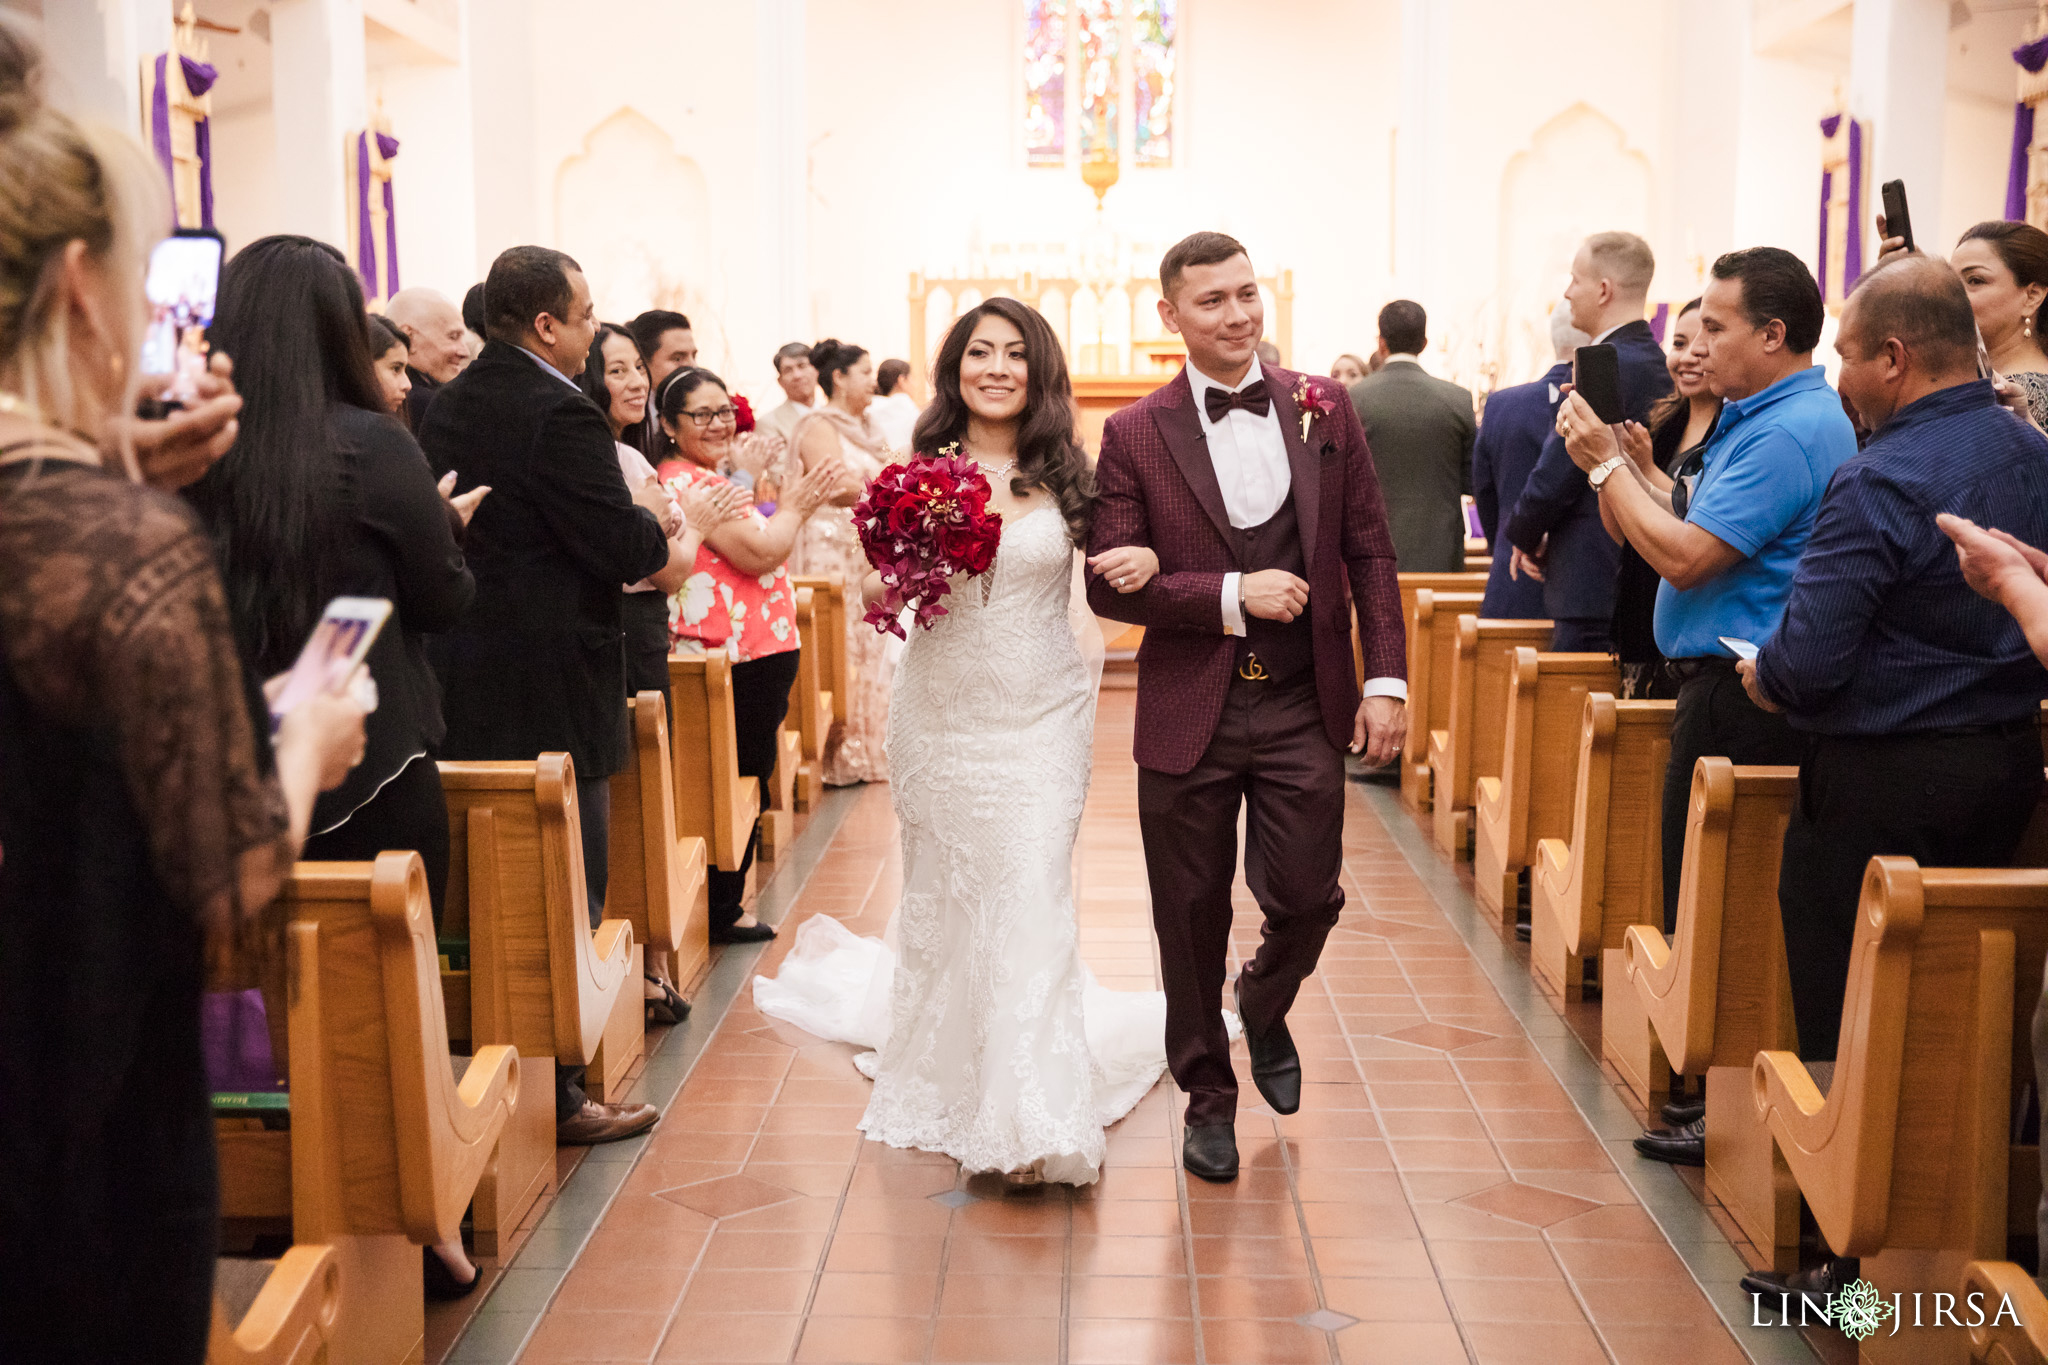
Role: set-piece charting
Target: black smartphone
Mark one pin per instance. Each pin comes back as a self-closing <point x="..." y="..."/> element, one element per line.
<point x="1898" y="219"/>
<point x="183" y="285"/>
<point x="1596" y="377"/>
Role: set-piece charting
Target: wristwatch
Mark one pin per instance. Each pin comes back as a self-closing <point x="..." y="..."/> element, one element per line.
<point x="1600" y="473"/>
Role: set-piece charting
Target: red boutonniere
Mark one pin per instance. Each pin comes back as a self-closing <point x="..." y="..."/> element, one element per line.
<point x="742" y="415"/>
<point x="1308" y="398"/>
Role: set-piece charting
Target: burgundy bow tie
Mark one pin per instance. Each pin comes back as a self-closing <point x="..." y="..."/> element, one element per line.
<point x="1252" y="398"/>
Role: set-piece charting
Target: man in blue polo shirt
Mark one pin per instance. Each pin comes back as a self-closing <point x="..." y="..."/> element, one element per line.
<point x="1726" y="539"/>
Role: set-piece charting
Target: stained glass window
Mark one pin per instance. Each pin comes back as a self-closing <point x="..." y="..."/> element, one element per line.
<point x="1152" y="80"/>
<point x="1045" y="82"/>
<point x="1098" y="35"/>
<point x="1122" y="56"/>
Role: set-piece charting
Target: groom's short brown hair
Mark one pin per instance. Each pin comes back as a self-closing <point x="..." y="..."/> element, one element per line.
<point x="1202" y="248"/>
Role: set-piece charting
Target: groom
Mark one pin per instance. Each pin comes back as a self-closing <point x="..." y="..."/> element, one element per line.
<point x="1254" y="487"/>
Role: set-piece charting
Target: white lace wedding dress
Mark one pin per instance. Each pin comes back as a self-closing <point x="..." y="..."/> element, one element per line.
<point x="994" y="1044"/>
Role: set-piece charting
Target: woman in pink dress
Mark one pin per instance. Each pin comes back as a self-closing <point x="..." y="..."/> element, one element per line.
<point x="843" y="432"/>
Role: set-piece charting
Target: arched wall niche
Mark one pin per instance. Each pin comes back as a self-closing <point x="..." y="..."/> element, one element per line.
<point x="636" y="214"/>
<point x="1577" y="176"/>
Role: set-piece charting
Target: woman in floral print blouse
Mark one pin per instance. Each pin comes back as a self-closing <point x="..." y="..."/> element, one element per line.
<point x="737" y="601"/>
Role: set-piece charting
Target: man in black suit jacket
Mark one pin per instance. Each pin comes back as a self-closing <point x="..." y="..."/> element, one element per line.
<point x="1555" y="525"/>
<point x="538" y="664"/>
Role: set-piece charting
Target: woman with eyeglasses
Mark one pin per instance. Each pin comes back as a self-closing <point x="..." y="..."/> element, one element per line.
<point x="737" y="599"/>
<point x="844" y="432"/>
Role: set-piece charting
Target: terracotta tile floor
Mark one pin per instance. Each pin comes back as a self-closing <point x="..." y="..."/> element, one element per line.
<point x="1437" y="1199"/>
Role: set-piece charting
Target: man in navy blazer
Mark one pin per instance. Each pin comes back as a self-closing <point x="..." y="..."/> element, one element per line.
<point x="1555" y="526"/>
<point x="1519" y="419"/>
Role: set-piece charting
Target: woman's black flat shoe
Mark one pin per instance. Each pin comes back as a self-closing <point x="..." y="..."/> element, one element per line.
<point x="752" y="933"/>
<point x="441" y="1282"/>
<point x="668" y="1007"/>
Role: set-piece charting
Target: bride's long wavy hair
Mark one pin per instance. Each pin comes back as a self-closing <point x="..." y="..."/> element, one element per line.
<point x="1049" y="454"/>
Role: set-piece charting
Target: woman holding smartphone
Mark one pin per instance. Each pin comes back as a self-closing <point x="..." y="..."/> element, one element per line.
<point x="147" y="818"/>
<point x="326" y="495"/>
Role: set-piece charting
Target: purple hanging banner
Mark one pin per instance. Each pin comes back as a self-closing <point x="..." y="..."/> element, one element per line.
<point x="2016" y="168"/>
<point x="198" y="78"/>
<point x="366" y="239"/>
<point x="1852" y="249"/>
<point x="387" y="148"/>
<point x="1827" y="197"/>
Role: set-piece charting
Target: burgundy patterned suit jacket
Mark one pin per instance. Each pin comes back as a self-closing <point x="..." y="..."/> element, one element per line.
<point x="1159" y="489"/>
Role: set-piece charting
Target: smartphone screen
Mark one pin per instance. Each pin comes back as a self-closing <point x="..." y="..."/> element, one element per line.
<point x="182" y="285"/>
<point x="340" y="640"/>
<point x="1741" y="649"/>
<point x="1596" y="377"/>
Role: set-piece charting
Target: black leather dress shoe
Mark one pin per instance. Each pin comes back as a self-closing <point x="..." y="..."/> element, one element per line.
<point x="1679" y="1114"/>
<point x="1210" y="1151"/>
<point x="1818" y="1281"/>
<point x="1685" y="1146"/>
<point x="743" y="933"/>
<point x="1276" y="1066"/>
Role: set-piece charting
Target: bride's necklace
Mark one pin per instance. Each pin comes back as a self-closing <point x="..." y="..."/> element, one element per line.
<point x="992" y="473"/>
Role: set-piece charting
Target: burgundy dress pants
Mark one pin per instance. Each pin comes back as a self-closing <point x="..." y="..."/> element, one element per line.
<point x="1271" y="757"/>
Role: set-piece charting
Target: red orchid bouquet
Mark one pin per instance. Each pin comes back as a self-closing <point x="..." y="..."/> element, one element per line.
<point x="920" y="523"/>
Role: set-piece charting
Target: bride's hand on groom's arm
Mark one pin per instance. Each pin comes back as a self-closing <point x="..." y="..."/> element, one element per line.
<point x="1127" y="567"/>
<point x="871" y="589"/>
<point x="1380" y="731"/>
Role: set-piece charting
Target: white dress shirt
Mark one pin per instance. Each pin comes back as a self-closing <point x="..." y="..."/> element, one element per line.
<point x="1250" y="458"/>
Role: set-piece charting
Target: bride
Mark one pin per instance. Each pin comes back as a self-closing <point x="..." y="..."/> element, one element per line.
<point x="993" y="1043"/>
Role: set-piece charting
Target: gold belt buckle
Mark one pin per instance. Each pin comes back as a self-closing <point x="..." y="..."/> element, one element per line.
<point x="1251" y="670"/>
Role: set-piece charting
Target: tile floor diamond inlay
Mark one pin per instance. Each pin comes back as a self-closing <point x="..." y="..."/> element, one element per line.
<point x="1529" y="1204"/>
<point x="953" y="1199"/>
<point x="727" y="1195"/>
<point x="1326" y="1320"/>
<point x="1444" y="1037"/>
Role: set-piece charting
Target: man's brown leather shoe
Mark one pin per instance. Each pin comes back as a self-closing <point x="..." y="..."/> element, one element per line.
<point x="595" y="1123"/>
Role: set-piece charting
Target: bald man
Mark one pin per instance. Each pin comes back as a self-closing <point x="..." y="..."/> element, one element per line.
<point x="434" y="338"/>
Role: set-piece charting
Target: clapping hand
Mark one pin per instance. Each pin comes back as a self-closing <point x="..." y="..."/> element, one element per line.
<point x="1587" y="439"/>
<point x="652" y="496"/>
<point x="1127" y="567"/>
<point x="817" y="486"/>
<point x="1992" y="561"/>
<point x="1635" y="443"/>
<point x="708" y="506"/>
<point x="173" y="451"/>
<point x="465" y="506"/>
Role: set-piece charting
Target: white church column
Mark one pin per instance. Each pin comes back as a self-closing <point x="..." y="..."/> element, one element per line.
<point x="503" y="92"/>
<point x="317" y="95"/>
<point x="1898" y="84"/>
<point x="784" y="159"/>
<point x="428" y="103"/>
<point x="94" y="50"/>
<point x="1419" y="148"/>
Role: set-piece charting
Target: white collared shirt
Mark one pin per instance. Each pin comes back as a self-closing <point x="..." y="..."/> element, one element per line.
<point x="1249" y="455"/>
<point x="551" y="369"/>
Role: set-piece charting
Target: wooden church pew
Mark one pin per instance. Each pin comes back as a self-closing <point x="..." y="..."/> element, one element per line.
<point x="2014" y="1326"/>
<point x="541" y="979"/>
<point x="1906" y="1161"/>
<point x="1432" y="640"/>
<point x="290" y="1316"/>
<point x="778" y="799"/>
<point x="1475" y="721"/>
<point x="810" y="705"/>
<point x="713" y="802"/>
<point x="1704" y="1003"/>
<point x="1409" y="585"/>
<point x="657" y="877"/>
<point x="1586" y="890"/>
<point x="1531" y="799"/>
<point x="829" y="606"/>
<point x="385" y="1147"/>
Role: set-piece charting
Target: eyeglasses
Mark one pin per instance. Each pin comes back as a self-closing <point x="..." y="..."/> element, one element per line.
<point x="704" y="417"/>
